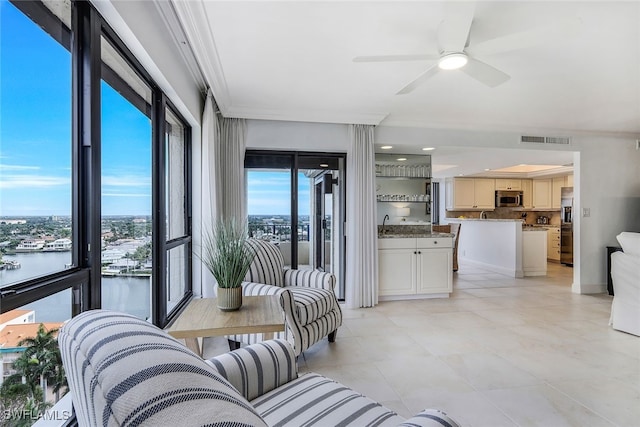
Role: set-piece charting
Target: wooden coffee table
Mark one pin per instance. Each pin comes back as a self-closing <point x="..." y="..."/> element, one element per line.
<point x="202" y="318"/>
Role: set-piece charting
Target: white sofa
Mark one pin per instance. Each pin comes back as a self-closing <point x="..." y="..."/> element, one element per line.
<point x="125" y="371"/>
<point x="625" y="272"/>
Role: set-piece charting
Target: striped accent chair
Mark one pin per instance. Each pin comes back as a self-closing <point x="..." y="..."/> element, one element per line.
<point x="123" y="371"/>
<point x="307" y="298"/>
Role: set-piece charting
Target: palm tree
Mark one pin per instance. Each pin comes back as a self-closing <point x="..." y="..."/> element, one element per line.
<point x="41" y="362"/>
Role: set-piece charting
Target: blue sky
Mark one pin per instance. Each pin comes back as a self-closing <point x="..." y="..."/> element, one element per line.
<point x="269" y="194"/>
<point x="35" y="130"/>
<point x="35" y="136"/>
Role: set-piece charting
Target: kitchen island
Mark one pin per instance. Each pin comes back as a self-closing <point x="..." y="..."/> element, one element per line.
<point x="415" y="265"/>
<point x="503" y="246"/>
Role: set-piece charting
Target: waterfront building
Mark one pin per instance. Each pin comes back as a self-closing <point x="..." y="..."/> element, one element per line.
<point x="58" y="245"/>
<point x="30" y="245"/>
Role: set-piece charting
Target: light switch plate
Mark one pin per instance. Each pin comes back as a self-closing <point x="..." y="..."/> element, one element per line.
<point x="586" y="212"/>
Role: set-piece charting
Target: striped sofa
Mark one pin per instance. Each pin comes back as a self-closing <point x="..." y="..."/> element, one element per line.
<point x="123" y="371"/>
<point x="307" y="298"/>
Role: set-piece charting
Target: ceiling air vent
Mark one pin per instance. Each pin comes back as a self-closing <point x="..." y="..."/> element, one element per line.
<point x="562" y="140"/>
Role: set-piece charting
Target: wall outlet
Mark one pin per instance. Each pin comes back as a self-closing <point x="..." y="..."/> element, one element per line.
<point x="586" y="212"/>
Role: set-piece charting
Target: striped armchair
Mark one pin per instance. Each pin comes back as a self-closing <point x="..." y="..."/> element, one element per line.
<point x="307" y="298"/>
<point x="125" y="371"/>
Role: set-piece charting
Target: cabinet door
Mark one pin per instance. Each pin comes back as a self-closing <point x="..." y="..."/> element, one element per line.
<point x="569" y="182"/>
<point x="484" y="193"/>
<point x="553" y="244"/>
<point x="435" y="271"/>
<point x="396" y="271"/>
<point x="508" y="184"/>
<point x="463" y="193"/>
<point x="527" y="196"/>
<point x="541" y="194"/>
<point x="556" y="192"/>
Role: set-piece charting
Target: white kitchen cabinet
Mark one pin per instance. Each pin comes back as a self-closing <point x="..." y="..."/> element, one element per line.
<point x="534" y="252"/>
<point x="508" y="184"/>
<point x="542" y="191"/>
<point x="470" y="194"/>
<point x="414" y="268"/>
<point x="397" y="271"/>
<point x="569" y="181"/>
<point x="553" y="243"/>
<point x="556" y="193"/>
<point x="527" y="193"/>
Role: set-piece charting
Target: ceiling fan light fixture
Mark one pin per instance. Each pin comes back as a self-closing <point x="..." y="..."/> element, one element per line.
<point x="453" y="61"/>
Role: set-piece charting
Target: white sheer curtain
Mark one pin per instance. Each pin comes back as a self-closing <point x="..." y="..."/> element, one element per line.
<point x="223" y="147"/>
<point x="362" y="244"/>
<point x="232" y="136"/>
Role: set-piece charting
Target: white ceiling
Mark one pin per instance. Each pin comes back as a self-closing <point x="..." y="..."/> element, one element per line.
<point x="293" y="61"/>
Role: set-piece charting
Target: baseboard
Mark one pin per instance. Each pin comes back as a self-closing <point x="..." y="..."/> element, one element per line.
<point x="495" y="268"/>
<point x="409" y="297"/>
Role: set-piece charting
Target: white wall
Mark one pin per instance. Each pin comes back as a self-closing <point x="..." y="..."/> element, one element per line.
<point x="298" y="136"/>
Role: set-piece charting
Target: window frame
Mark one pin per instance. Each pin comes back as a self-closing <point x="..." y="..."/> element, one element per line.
<point x="83" y="41"/>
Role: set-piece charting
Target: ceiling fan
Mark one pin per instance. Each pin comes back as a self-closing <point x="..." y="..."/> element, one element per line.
<point x="455" y="52"/>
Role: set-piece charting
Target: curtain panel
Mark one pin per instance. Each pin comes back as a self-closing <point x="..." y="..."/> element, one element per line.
<point x="223" y="192"/>
<point x="362" y="243"/>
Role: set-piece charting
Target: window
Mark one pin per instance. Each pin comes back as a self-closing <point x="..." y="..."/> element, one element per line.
<point x="91" y="150"/>
<point x="126" y="149"/>
<point x="296" y="201"/>
<point x="35" y="146"/>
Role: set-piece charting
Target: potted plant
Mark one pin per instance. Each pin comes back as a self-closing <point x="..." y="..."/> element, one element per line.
<point x="227" y="255"/>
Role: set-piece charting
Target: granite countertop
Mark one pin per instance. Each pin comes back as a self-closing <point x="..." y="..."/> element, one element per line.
<point x="392" y="235"/>
<point x="483" y="219"/>
<point x="535" y="229"/>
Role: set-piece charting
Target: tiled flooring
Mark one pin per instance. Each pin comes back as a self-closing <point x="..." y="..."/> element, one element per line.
<point x="499" y="352"/>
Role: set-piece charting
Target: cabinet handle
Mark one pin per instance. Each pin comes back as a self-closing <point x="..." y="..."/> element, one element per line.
<point x="435" y="242"/>
<point x="415" y="252"/>
<point x="419" y="252"/>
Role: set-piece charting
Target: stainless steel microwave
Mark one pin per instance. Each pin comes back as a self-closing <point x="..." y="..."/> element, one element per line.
<point x="508" y="199"/>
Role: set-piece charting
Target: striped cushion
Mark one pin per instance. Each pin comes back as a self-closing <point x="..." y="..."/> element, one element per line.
<point x="312" y="303"/>
<point x="268" y="264"/>
<point x="258" y="369"/>
<point x="310" y="278"/>
<point x="430" y="418"/>
<point x="314" y="399"/>
<point x="125" y="371"/>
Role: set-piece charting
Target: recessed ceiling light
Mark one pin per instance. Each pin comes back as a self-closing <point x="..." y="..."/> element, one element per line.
<point x="487" y="169"/>
<point x="453" y="61"/>
<point x="324" y="165"/>
<point x="401" y="159"/>
<point x="460" y="174"/>
<point x="428" y="148"/>
<point x="387" y="147"/>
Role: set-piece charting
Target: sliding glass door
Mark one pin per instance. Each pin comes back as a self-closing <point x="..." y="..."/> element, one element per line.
<point x="292" y="200"/>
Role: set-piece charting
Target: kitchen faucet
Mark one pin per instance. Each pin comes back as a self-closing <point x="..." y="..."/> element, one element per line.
<point x="483" y="215"/>
<point x="386" y="217"/>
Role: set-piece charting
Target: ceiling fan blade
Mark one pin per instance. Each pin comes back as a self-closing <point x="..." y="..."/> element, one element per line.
<point x="391" y="58"/>
<point x="453" y="32"/>
<point x="431" y="71"/>
<point x="538" y="36"/>
<point x="485" y="73"/>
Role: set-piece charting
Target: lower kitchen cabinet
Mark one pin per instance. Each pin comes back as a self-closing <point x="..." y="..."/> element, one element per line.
<point x="553" y="244"/>
<point x="415" y="267"/>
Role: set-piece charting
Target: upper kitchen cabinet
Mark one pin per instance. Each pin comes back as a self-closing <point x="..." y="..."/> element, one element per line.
<point x="470" y="193"/>
<point x="508" y="184"/>
<point x="556" y="193"/>
<point x="527" y="193"/>
<point x="542" y="190"/>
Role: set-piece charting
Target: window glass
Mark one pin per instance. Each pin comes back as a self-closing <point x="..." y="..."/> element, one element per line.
<point x="35" y="146"/>
<point x="126" y="187"/>
<point x="176" y="275"/>
<point x="269" y="207"/>
<point x="32" y="378"/>
<point x="175" y="177"/>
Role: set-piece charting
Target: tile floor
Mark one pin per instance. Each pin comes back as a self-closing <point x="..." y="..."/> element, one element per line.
<point x="499" y="352"/>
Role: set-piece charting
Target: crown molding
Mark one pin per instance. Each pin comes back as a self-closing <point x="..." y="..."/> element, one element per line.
<point x="314" y="116"/>
<point x="195" y="22"/>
